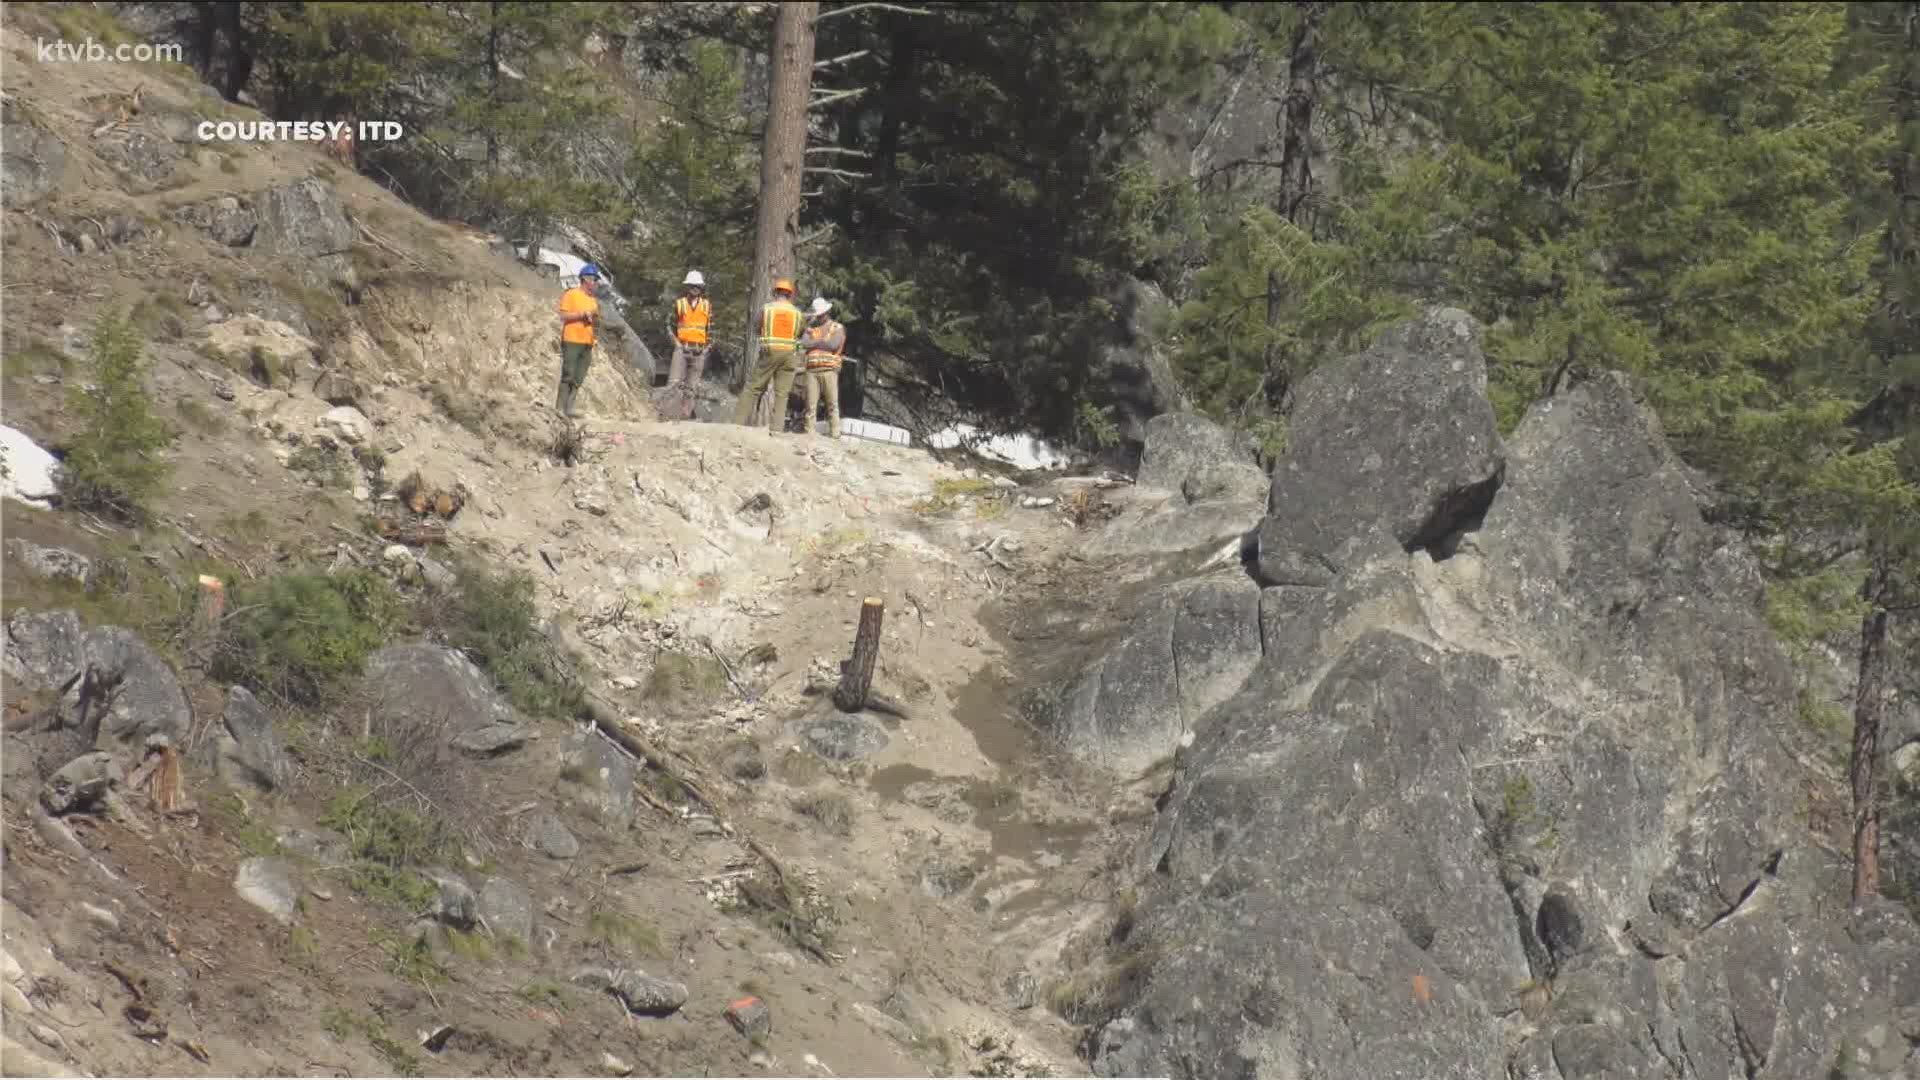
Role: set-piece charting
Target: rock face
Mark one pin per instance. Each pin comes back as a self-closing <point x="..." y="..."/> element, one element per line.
<point x="268" y="885"/>
<point x="131" y="693"/>
<point x="1197" y="487"/>
<point x="54" y="564"/>
<point x="304" y="221"/>
<point x="1186" y="651"/>
<point x="420" y="683"/>
<point x="32" y="159"/>
<point x="249" y="749"/>
<point x="1553" y="758"/>
<point x="1393" y="447"/>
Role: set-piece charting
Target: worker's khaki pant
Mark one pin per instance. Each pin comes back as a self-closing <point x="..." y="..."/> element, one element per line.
<point x="777" y="369"/>
<point x="823" y="382"/>
<point x="683" y="377"/>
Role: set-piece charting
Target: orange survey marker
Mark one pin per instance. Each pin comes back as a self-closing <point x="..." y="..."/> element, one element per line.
<point x="751" y="1017"/>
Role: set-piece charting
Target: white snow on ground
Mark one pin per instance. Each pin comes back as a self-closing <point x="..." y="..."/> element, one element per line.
<point x="29" y="469"/>
<point x="1020" y="451"/>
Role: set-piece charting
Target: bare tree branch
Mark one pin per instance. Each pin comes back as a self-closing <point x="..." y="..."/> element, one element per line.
<point x="851" y="8"/>
<point x="842" y="173"/>
<point x="836" y="150"/>
<point x="841" y="59"/>
<point x="828" y="97"/>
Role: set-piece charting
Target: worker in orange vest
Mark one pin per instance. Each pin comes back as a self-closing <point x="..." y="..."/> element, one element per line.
<point x="692" y="341"/>
<point x="780" y="325"/>
<point x="825" y="344"/>
<point x="579" y="317"/>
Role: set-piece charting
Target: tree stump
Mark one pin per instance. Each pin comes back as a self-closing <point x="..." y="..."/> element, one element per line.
<point x="856" y="678"/>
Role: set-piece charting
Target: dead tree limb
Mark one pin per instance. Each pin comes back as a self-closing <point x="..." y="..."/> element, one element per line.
<point x="856" y="679"/>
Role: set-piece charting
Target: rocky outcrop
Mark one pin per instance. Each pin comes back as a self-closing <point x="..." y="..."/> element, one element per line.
<point x="33" y="160"/>
<point x="1186" y="650"/>
<point x="1198" y="486"/>
<point x="304" y="221"/>
<point x="249" y="750"/>
<point x="1507" y="795"/>
<point x="1392" y="448"/>
<point x="416" y="684"/>
<point x="106" y="676"/>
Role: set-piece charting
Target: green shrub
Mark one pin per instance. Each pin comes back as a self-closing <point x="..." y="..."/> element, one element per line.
<point x="492" y="618"/>
<point x="302" y="638"/>
<point x="113" y="465"/>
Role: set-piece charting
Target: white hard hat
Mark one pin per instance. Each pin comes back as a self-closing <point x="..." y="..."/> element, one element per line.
<point x="694" y="278"/>
<point x="820" y="306"/>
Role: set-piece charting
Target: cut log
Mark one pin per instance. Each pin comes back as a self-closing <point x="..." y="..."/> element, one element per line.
<point x="856" y="679"/>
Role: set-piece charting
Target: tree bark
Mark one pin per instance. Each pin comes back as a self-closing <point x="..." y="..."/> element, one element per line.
<point x="856" y="679"/>
<point x="783" y="154"/>
<point x="1869" y="716"/>
<point x="1298" y="102"/>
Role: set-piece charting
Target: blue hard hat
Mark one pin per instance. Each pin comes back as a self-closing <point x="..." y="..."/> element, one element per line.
<point x="590" y="270"/>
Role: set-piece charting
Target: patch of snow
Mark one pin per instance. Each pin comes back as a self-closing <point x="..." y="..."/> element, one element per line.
<point x="28" y="470"/>
<point x="1020" y="451"/>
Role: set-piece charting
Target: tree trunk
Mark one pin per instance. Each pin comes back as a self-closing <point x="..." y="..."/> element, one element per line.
<point x="1301" y="96"/>
<point x="1298" y="102"/>
<point x="783" y="154"/>
<point x="856" y="679"/>
<point x="1869" y="715"/>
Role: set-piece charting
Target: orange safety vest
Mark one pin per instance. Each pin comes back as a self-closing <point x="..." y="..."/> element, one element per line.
<point x="578" y="301"/>
<point x="820" y="359"/>
<point x="691" y="318"/>
<point x="780" y="327"/>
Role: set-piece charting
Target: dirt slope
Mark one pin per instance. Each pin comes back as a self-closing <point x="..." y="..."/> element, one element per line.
<point x="950" y="860"/>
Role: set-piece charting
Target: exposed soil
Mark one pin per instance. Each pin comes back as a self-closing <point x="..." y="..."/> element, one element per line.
<point x="960" y="854"/>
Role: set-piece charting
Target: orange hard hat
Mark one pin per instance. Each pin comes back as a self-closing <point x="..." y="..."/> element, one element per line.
<point x="784" y="285"/>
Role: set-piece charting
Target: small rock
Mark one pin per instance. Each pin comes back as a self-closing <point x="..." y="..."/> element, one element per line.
<point x="361" y="493"/>
<point x="626" y="682"/>
<point x="1023" y="990"/>
<point x="884" y="1024"/>
<point x="397" y="553"/>
<point x="348" y="424"/>
<point x="320" y="845"/>
<point x="336" y="388"/>
<point x="507" y="908"/>
<point x="456" y="905"/>
<point x="1037" y="502"/>
<point x="10" y="969"/>
<point x="551" y="837"/>
<point x="940" y="879"/>
<point x="760" y="1059"/>
<point x="15" y="1001"/>
<point x="436" y="573"/>
<point x="491" y="739"/>
<point x="48" y="1037"/>
<point x="268" y="885"/>
<point x="435" y="1039"/>
<point x="645" y="995"/>
<point x="81" y="783"/>
<point x="751" y="1017"/>
<point x="592" y="978"/>
<point x="613" y="1065"/>
<point x="52" y="563"/>
<point x="320" y="893"/>
<point x="100" y="915"/>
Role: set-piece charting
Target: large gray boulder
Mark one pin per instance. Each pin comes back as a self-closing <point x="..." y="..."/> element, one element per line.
<point x="124" y="686"/>
<point x="1198" y="486"/>
<point x="33" y="160"/>
<point x="249" y="750"/>
<point x="1187" y="649"/>
<point x="418" y="683"/>
<point x="1394" y="447"/>
<point x="1527" y="809"/>
<point x="304" y="221"/>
